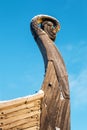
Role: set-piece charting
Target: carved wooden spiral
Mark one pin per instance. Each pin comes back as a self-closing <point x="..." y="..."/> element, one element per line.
<point x="48" y="24"/>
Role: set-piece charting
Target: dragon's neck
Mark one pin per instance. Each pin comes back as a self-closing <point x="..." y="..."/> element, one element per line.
<point x="44" y="29"/>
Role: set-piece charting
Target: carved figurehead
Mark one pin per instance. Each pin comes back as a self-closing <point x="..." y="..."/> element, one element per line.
<point x="48" y="24"/>
<point x="44" y="29"/>
<point x="48" y="110"/>
<point x="56" y="103"/>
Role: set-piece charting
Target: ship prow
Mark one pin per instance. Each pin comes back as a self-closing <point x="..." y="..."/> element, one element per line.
<point x="50" y="108"/>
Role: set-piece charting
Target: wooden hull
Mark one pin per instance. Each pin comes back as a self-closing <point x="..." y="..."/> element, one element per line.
<point x="21" y="114"/>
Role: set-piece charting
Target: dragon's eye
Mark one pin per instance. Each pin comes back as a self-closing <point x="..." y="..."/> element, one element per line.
<point x="53" y="27"/>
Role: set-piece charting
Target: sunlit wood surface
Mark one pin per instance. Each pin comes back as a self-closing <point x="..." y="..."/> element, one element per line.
<point x="21" y="114"/>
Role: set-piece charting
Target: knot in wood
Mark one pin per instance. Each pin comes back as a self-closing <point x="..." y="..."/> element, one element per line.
<point x="50" y="84"/>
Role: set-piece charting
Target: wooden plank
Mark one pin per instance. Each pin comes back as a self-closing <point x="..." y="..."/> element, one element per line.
<point x="21" y="122"/>
<point x="23" y="125"/>
<point x="20" y="112"/>
<point x="33" y="128"/>
<point x="29" y="125"/>
<point x="20" y="107"/>
<point x="18" y="117"/>
<point x="23" y="100"/>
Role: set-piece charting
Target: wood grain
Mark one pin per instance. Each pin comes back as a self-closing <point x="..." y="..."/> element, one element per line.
<point x="55" y="108"/>
<point x="56" y="102"/>
<point x="21" y="114"/>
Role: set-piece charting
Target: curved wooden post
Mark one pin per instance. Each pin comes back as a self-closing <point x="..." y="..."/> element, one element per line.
<point x="56" y="103"/>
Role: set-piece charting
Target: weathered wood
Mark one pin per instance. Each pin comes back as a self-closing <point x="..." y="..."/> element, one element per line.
<point x="53" y="112"/>
<point x="56" y="102"/>
<point x="19" y="117"/>
<point x="55" y="108"/>
<point x="18" y="123"/>
<point x="20" y="107"/>
<point x="23" y="100"/>
<point x="32" y="128"/>
<point x="21" y="114"/>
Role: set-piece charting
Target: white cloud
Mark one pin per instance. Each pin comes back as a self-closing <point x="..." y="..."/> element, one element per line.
<point x="78" y="87"/>
<point x="74" y="52"/>
<point x="75" y="58"/>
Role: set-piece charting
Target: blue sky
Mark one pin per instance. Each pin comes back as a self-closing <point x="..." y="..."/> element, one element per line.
<point x="21" y="64"/>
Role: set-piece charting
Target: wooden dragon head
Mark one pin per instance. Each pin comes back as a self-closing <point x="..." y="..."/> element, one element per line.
<point x="48" y="24"/>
